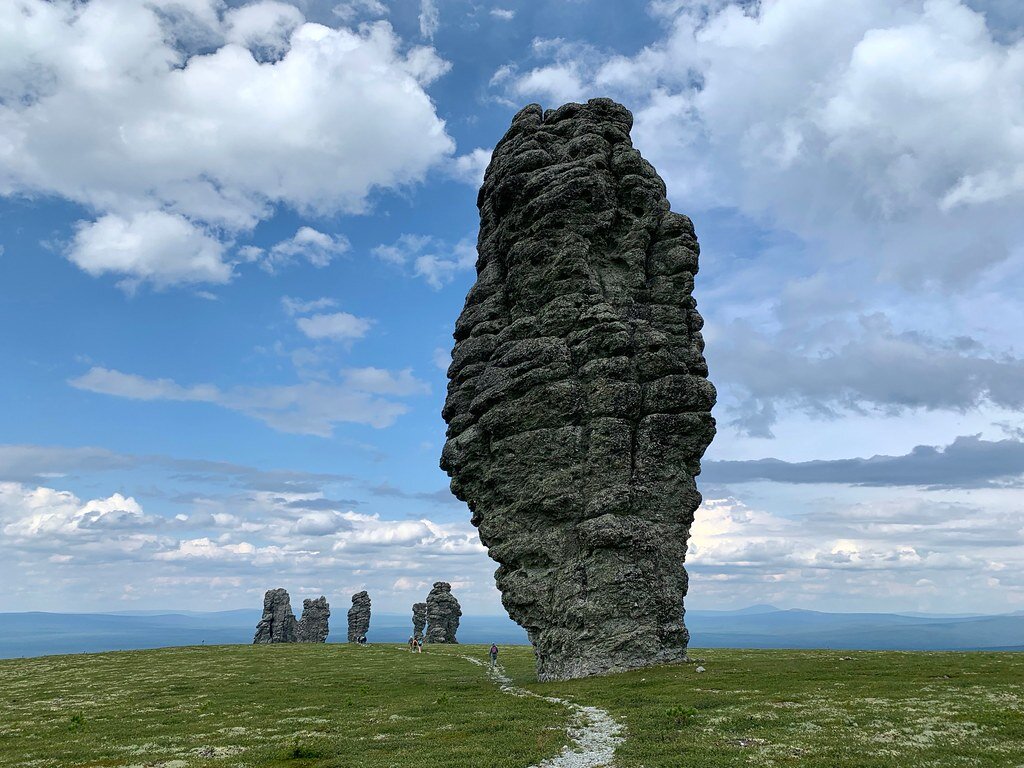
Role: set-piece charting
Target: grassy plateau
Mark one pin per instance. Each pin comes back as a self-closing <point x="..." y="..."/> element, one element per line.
<point x="379" y="706"/>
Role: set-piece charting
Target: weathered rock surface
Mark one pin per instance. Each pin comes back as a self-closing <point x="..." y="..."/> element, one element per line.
<point x="278" y="624"/>
<point x="419" y="619"/>
<point x="443" y="613"/>
<point x="359" y="616"/>
<point x="313" y="626"/>
<point x="578" y="403"/>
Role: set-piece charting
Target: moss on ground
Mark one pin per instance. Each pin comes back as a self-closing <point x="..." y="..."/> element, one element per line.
<point x="308" y="706"/>
<point x="379" y="706"/>
<point x="816" y="709"/>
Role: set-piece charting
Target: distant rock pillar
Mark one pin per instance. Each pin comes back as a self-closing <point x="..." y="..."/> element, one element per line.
<point x="443" y="612"/>
<point x="359" y="616"/>
<point x="419" y="619"/>
<point x="278" y="624"/>
<point x="313" y="626"/>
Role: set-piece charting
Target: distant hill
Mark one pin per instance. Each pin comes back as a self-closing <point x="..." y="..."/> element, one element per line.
<point x="854" y="631"/>
<point x="760" y="626"/>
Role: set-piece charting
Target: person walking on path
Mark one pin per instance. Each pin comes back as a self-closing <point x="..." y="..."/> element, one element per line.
<point x="493" y="653"/>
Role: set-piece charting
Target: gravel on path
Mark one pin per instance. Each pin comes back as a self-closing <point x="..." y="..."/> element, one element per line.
<point x="595" y="733"/>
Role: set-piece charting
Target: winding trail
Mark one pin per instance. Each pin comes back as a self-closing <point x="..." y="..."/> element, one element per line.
<point x="595" y="733"/>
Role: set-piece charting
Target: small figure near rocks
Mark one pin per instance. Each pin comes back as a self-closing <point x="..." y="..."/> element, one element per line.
<point x="419" y="619"/>
<point x="359" y="617"/>
<point x="493" y="653"/>
<point x="278" y="624"/>
<point x="313" y="626"/>
<point x="443" y="612"/>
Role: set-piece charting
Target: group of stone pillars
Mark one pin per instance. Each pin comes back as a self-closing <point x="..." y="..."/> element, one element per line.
<point x="439" y="615"/>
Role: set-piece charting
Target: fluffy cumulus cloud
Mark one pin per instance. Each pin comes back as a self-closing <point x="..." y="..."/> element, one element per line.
<point x="307" y="244"/>
<point x="325" y="326"/>
<point x="163" y="248"/>
<point x="195" y="126"/>
<point x="314" y="407"/>
<point x="434" y="261"/>
<point x="339" y="326"/>
<point x="469" y="168"/>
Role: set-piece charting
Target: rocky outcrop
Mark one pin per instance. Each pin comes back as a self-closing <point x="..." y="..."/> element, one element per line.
<point x="313" y="626"/>
<point x="578" y="403"/>
<point x="359" y="617"/>
<point x="419" y="619"/>
<point x="278" y="624"/>
<point x="443" y="612"/>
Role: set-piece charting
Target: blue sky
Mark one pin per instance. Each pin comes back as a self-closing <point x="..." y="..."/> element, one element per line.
<point x="235" y="238"/>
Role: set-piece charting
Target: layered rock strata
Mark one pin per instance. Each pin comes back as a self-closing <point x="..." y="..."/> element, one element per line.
<point x="359" y="617"/>
<point x="313" y="626"/>
<point x="578" y="403"/>
<point x="443" y="613"/>
<point x="278" y="624"/>
<point x="419" y="619"/>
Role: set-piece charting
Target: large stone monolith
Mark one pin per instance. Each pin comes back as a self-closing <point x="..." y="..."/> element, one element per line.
<point x="278" y="624"/>
<point x="443" y="613"/>
<point x="313" y="626"/>
<point x="578" y="403"/>
<point x="359" y="617"/>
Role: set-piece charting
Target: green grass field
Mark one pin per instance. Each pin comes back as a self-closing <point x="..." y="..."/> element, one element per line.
<point x="380" y="706"/>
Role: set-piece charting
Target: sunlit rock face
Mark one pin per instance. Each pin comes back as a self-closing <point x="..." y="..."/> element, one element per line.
<point x="278" y="624"/>
<point x="578" y="403"/>
<point x="359" y="617"/>
<point x="313" y="626"/>
<point x="443" y="614"/>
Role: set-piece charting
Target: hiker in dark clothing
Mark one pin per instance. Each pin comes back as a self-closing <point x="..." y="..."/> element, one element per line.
<point x="493" y="653"/>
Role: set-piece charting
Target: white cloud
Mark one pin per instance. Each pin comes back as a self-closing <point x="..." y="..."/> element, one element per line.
<point x="470" y="167"/>
<point x="153" y="246"/>
<point x="438" y="271"/>
<point x="402" y="249"/>
<point x="300" y="307"/>
<point x="559" y="84"/>
<point x="430" y="19"/>
<point x="353" y="9"/>
<point x="504" y="14"/>
<point x="442" y="358"/>
<point x="307" y="243"/>
<point x="139" y="124"/>
<point x="263" y="27"/>
<point x="309" y="407"/>
<point x="429" y="258"/>
<point x="44" y="512"/>
<point x="382" y="382"/>
<point x="110" y="382"/>
<point x="337" y="326"/>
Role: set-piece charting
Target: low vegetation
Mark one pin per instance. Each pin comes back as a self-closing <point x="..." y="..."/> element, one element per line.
<point x="379" y="706"/>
